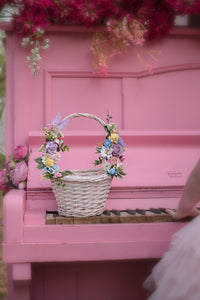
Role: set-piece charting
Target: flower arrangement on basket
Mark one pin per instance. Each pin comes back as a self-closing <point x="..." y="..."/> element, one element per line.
<point x="127" y="23"/>
<point x="81" y="192"/>
<point x="14" y="175"/>
<point x="111" y="152"/>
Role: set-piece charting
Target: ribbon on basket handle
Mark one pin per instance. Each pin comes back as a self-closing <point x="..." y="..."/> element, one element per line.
<point x="111" y="153"/>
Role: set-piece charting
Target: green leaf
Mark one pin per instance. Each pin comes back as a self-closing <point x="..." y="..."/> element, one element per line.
<point x="120" y="176"/>
<point x="38" y="160"/>
<point x="97" y="162"/>
<point x="47" y="176"/>
<point x="41" y="148"/>
<point x="66" y="172"/>
<point x="122" y="173"/>
<point x="65" y="147"/>
<point x="98" y="149"/>
<point x="40" y="166"/>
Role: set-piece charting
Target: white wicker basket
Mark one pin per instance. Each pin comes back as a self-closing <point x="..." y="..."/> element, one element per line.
<point x="85" y="192"/>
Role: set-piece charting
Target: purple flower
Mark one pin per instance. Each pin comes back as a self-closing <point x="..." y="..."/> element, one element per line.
<point x="120" y="141"/>
<point x="51" y="147"/>
<point x="117" y="150"/>
<point x="58" y="123"/>
<point x="19" y="173"/>
<point x="3" y="184"/>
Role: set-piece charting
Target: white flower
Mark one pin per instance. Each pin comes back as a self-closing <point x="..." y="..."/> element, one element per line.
<point x="106" y="166"/>
<point x="45" y="46"/>
<point x="106" y="152"/>
<point x="57" y="141"/>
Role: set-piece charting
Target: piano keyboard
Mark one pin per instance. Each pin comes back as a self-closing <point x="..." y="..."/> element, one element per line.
<point x="116" y="216"/>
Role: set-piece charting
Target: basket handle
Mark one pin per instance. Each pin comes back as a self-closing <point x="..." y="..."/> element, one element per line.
<point x="86" y="115"/>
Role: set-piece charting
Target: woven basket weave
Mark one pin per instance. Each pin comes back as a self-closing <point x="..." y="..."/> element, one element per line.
<point x="85" y="191"/>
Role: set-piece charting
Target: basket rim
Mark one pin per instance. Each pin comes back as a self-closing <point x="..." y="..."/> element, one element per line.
<point x="88" y="177"/>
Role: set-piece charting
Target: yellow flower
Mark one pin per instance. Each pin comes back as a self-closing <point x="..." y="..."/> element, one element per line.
<point x="113" y="137"/>
<point x="48" y="162"/>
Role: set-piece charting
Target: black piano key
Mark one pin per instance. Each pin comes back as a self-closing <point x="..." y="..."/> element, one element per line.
<point x="116" y="212"/>
<point x="130" y="211"/>
<point x="140" y="211"/>
<point x="156" y="211"/>
<point x="163" y="210"/>
<point x="107" y="212"/>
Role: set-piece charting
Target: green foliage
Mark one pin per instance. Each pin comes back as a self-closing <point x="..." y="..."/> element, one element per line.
<point x="98" y="149"/>
<point x="2" y="161"/>
<point x="2" y="72"/>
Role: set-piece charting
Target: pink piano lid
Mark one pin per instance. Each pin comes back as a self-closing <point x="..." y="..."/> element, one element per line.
<point x="152" y="159"/>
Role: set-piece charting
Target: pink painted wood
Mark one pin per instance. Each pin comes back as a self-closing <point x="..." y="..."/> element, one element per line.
<point x="158" y="117"/>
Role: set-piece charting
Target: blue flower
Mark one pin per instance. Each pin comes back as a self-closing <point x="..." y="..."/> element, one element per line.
<point x="107" y="143"/>
<point x="51" y="170"/>
<point x="112" y="171"/>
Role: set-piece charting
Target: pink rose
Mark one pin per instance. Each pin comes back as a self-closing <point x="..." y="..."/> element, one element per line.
<point x="3" y="184"/>
<point x="20" y="152"/>
<point x="57" y="175"/>
<point x="19" y="173"/>
<point x="113" y="160"/>
<point x="56" y="157"/>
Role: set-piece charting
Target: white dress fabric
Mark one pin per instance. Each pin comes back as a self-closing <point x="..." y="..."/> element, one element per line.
<point x="177" y="275"/>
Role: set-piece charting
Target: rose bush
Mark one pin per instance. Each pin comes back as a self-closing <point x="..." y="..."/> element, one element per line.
<point x="3" y="184"/>
<point x="20" y="152"/>
<point x="16" y="171"/>
<point x="19" y="174"/>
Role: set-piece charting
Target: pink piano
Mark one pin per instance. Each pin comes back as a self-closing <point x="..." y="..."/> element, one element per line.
<point x="159" y="119"/>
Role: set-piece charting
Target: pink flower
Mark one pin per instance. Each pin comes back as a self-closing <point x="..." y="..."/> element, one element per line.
<point x="56" y="157"/>
<point x="57" y="175"/>
<point x="22" y="185"/>
<point x="10" y="165"/>
<point x="3" y="184"/>
<point x="19" y="174"/>
<point x="113" y="160"/>
<point x="20" y="152"/>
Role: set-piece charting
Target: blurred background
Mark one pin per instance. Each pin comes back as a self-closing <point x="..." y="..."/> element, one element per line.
<point x="3" y="283"/>
<point x="4" y="17"/>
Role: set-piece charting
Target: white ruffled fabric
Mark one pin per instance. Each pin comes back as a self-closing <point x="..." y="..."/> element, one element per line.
<point x="177" y="275"/>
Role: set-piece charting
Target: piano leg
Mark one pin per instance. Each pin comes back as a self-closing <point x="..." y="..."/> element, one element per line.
<point x="19" y="279"/>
